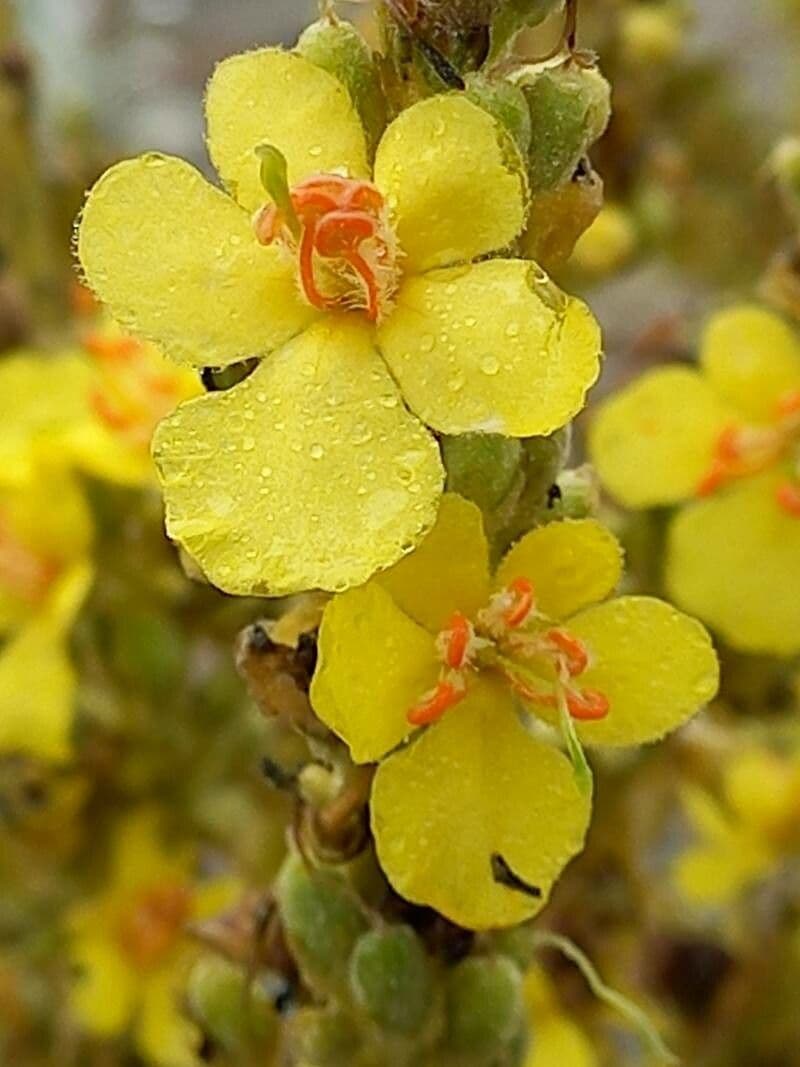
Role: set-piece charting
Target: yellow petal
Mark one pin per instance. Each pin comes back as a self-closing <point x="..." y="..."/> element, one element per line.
<point x="751" y="357"/>
<point x="734" y="561"/>
<point x="67" y="596"/>
<point x="104" y="992"/>
<point x="476" y="785"/>
<point x="656" y="666"/>
<point x="652" y="443"/>
<point x="279" y="98"/>
<point x="454" y="181"/>
<point x="215" y="895"/>
<point x="374" y="665"/>
<point x="176" y="261"/>
<point x="559" y="1042"/>
<point x="571" y="564"/>
<point x="44" y="398"/>
<point x="37" y="691"/>
<point x="164" y="1034"/>
<point x="447" y="572"/>
<point x="99" y="452"/>
<point x="718" y="873"/>
<point x="761" y="788"/>
<point x="310" y="473"/>
<point x="491" y="347"/>
<point x="707" y="818"/>
<point x="142" y="857"/>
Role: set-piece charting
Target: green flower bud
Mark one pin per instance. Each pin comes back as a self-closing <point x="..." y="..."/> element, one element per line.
<point x="510" y="17"/>
<point x="515" y="942"/>
<point x="391" y="979"/>
<point x="580" y="492"/>
<point x="569" y="108"/>
<point x="323" y="1038"/>
<point x="340" y="49"/>
<point x="481" y="466"/>
<point x="233" y="1013"/>
<point x="506" y="103"/>
<point x="484" y="1006"/>
<point x="322" y="920"/>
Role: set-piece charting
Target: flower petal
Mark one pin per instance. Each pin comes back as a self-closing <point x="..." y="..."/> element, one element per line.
<point x="571" y="564"/>
<point x="751" y="357"/>
<point x="652" y="443"/>
<point x="104" y="992"/>
<point x="374" y="665"/>
<point x="454" y="181"/>
<point x="656" y="666"/>
<point x="734" y="560"/>
<point x="716" y="874"/>
<point x="279" y="98"/>
<point x="309" y="473"/>
<point x="177" y="261"/>
<point x="474" y="786"/>
<point x="142" y="858"/>
<point x="164" y="1034"/>
<point x="37" y="693"/>
<point x="491" y="347"/>
<point x="558" y="1040"/>
<point x="447" y="572"/>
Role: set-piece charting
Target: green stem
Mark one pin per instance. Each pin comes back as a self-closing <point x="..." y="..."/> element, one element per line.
<point x="615" y="1000"/>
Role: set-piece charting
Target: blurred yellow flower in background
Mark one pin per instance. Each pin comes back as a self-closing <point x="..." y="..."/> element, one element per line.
<point x="723" y="442"/>
<point x="129" y="945"/>
<point x="365" y="297"/>
<point x="556" y="1040"/>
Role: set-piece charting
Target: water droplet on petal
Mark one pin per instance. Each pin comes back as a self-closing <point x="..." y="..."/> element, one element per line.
<point x="489" y="365"/>
<point x="316" y="451"/>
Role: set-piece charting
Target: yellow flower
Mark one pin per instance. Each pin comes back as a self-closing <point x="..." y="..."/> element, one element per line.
<point x="556" y="1041"/>
<point x="747" y="836"/>
<point x="129" y="948"/>
<point x="45" y="537"/>
<point x="477" y="816"/>
<point x="608" y="243"/>
<point x="363" y="294"/>
<point x="723" y="440"/>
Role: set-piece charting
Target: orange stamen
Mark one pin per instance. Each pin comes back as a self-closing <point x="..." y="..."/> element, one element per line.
<point x="431" y="708"/>
<point x="519" y="611"/>
<point x="458" y="635"/>
<point x="788" y="404"/>
<point x="788" y="497"/>
<point x="149" y="930"/>
<point x="573" y="650"/>
<point x="588" y="705"/>
<point x="111" y="348"/>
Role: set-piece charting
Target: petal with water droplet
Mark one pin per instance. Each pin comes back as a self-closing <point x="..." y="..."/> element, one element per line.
<point x="254" y="501"/>
<point x="280" y="98"/>
<point x="526" y="352"/>
<point x="474" y="786"/>
<point x="156" y="243"/>
<point x="454" y="181"/>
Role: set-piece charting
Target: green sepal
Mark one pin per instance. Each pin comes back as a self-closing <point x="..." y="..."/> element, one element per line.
<point x="506" y="103"/>
<point x="234" y="1012"/>
<point x="324" y="1037"/>
<point x="485" y="1007"/>
<point x="391" y="979"/>
<point x="510" y="18"/>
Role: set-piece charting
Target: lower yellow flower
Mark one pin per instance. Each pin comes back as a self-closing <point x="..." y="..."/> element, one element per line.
<point x="724" y="442"/>
<point x="477" y="816"/>
<point x="129" y="948"/>
<point x="746" y="837"/>
<point x="45" y="537"/>
<point x="555" y="1038"/>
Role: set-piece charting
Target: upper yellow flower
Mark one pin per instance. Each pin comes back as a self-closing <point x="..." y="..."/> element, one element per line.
<point x="725" y="440"/>
<point x="45" y="539"/>
<point x="745" y="838"/>
<point x="129" y="946"/>
<point x="478" y="802"/>
<point x="366" y="288"/>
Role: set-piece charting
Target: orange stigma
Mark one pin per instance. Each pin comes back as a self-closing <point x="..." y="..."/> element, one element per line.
<point x="345" y="248"/>
<point x="434" y="704"/>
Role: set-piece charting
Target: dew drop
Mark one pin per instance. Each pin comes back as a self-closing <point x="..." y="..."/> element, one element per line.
<point x="316" y="451"/>
<point x="512" y="330"/>
<point x="248" y="444"/>
<point x="427" y="342"/>
<point x="489" y="365"/>
<point x="315" y="150"/>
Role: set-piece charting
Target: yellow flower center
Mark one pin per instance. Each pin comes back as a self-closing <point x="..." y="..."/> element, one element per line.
<point x="132" y="396"/>
<point x="510" y="637"/>
<point x="338" y="230"/>
<point x="745" y="450"/>
<point x="150" y="927"/>
<point x="25" y="574"/>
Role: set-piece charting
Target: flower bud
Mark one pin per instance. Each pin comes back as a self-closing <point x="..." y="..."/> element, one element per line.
<point x="322" y="920"/>
<point x="506" y="103"/>
<point x="391" y="980"/>
<point x="559" y="216"/>
<point x="569" y="108"/>
<point x="482" y="467"/>
<point x="484" y="1007"/>
<point x="231" y="1013"/>
<point x="323" y="1038"/>
<point x="340" y="49"/>
<point x="651" y="33"/>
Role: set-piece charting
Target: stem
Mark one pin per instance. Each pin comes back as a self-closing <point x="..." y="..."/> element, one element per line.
<point x="615" y="1000"/>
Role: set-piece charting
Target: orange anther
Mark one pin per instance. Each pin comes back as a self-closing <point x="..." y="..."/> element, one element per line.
<point x="573" y="650"/>
<point x="458" y="635"/>
<point x="728" y="445"/>
<point x="717" y="475"/>
<point x="111" y="348"/>
<point x="788" y="497"/>
<point x="433" y="706"/>
<point x="523" y="604"/>
<point x="587" y="705"/>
